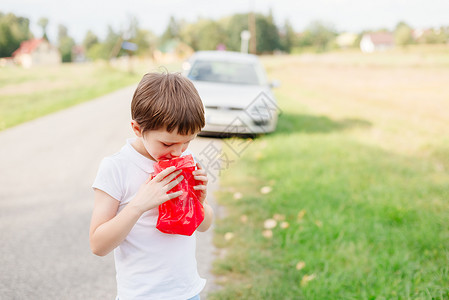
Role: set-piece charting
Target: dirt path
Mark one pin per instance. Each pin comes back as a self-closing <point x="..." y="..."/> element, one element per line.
<point x="46" y="169"/>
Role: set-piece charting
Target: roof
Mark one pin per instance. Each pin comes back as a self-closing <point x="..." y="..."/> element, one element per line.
<point x="383" y="38"/>
<point x="28" y="46"/>
<point x="224" y="56"/>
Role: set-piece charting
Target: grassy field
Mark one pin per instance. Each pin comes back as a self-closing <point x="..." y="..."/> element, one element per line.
<point x="26" y="94"/>
<point x="349" y="199"/>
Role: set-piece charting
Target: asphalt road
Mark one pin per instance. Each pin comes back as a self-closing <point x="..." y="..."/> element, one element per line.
<point x="46" y="169"/>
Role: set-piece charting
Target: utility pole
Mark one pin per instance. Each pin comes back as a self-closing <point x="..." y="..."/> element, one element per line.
<point x="252" y="28"/>
<point x="245" y="37"/>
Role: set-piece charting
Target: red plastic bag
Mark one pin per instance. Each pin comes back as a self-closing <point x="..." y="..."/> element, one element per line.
<point x="183" y="214"/>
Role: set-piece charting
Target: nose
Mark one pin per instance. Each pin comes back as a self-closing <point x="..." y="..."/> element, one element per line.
<point x="177" y="151"/>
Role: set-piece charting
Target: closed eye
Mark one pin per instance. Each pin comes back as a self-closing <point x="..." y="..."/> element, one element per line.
<point x="166" y="145"/>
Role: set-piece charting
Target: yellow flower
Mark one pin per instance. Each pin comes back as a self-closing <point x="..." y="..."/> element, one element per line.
<point x="267" y="233"/>
<point x="285" y="225"/>
<point x="279" y="217"/>
<point x="306" y="278"/>
<point x="300" y="265"/>
<point x="228" y="236"/>
<point x="301" y="214"/>
<point x="266" y="190"/>
<point x="270" y="224"/>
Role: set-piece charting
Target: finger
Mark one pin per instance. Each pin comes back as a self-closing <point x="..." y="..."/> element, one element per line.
<point x="164" y="173"/>
<point x="200" y="187"/>
<point x="173" y="183"/>
<point x="150" y="177"/>
<point x="172" y="195"/>
<point x="199" y="172"/>
<point x="201" y="178"/>
<point x="170" y="177"/>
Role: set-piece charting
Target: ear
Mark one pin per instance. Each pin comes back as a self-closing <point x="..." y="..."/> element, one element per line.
<point x="136" y="128"/>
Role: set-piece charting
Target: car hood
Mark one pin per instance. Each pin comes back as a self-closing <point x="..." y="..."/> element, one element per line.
<point x="229" y="95"/>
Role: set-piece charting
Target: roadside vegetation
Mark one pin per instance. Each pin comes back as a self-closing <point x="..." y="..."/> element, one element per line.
<point x="31" y="93"/>
<point x="349" y="198"/>
<point x="27" y="94"/>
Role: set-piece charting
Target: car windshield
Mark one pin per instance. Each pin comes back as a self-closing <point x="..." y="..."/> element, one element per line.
<point x="225" y="72"/>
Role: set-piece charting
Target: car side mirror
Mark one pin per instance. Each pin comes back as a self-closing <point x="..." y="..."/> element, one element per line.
<point x="274" y="84"/>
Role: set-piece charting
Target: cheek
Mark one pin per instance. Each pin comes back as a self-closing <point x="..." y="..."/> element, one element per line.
<point x="163" y="152"/>
<point x="154" y="150"/>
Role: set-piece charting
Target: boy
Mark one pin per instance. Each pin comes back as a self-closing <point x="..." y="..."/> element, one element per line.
<point x="167" y="113"/>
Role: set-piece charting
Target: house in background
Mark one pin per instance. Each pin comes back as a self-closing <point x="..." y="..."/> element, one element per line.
<point x="378" y="41"/>
<point x="36" y="52"/>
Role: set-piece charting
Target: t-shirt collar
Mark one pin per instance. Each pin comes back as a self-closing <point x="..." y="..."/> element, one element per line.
<point x="141" y="161"/>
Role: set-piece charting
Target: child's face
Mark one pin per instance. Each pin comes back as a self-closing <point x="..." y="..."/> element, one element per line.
<point x="161" y="144"/>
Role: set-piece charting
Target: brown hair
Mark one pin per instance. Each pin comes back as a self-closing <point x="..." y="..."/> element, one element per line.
<point x="167" y="100"/>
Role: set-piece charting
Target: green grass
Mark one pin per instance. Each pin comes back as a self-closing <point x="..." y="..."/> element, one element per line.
<point x="376" y="219"/>
<point x="26" y="94"/>
<point x="29" y="94"/>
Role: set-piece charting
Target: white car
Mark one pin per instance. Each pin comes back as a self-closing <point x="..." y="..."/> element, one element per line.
<point x="236" y="94"/>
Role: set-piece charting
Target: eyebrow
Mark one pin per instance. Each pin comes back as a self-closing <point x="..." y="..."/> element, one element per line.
<point x="176" y="142"/>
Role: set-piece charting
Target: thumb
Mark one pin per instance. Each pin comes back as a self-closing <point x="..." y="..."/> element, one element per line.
<point x="150" y="177"/>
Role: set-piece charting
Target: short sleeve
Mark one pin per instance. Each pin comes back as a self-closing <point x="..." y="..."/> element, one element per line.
<point x="109" y="179"/>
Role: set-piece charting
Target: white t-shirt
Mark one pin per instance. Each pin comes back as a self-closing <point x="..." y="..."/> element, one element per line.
<point x="149" y="264"/>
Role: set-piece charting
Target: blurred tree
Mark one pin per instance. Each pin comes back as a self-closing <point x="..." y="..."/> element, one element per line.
<point x="110" y="47"/>
<point x="97" y="51"/>
<point x="133" y="27"/>
<point x="172" y="31"/>
<point x="13" y="31"/>
<point x="403" y="34"/>
<point x="234" y="26"/>
<point x="43" y="23"/>
<point x="112" y="44"/>
<point x="90" y="40"/>
<point x="205" y="34"/>
<point x="146" y="42"/>
<point x="65" y="43"/>
<point x="142" y="38"/>
<point x="436" y="36"/>
<point x="267" y="34"/>
<point x="287" y="37"/>
<point x="318" y="35"/>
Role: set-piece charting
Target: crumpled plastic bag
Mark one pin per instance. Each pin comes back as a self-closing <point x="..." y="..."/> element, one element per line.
<point x="183" y="214"/>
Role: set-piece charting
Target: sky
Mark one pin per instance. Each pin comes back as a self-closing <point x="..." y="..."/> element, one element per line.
<point x="344" y="15"/>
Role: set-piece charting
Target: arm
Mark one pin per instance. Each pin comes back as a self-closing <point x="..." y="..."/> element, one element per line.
<point x="108" y="229"/>
<point x="201" y="175"/>
<point x="208" y="218"/>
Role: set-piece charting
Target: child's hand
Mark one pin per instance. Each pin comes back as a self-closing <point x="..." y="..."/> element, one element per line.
<point x="201" y="175"/>
<point x="155" y="191"/>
